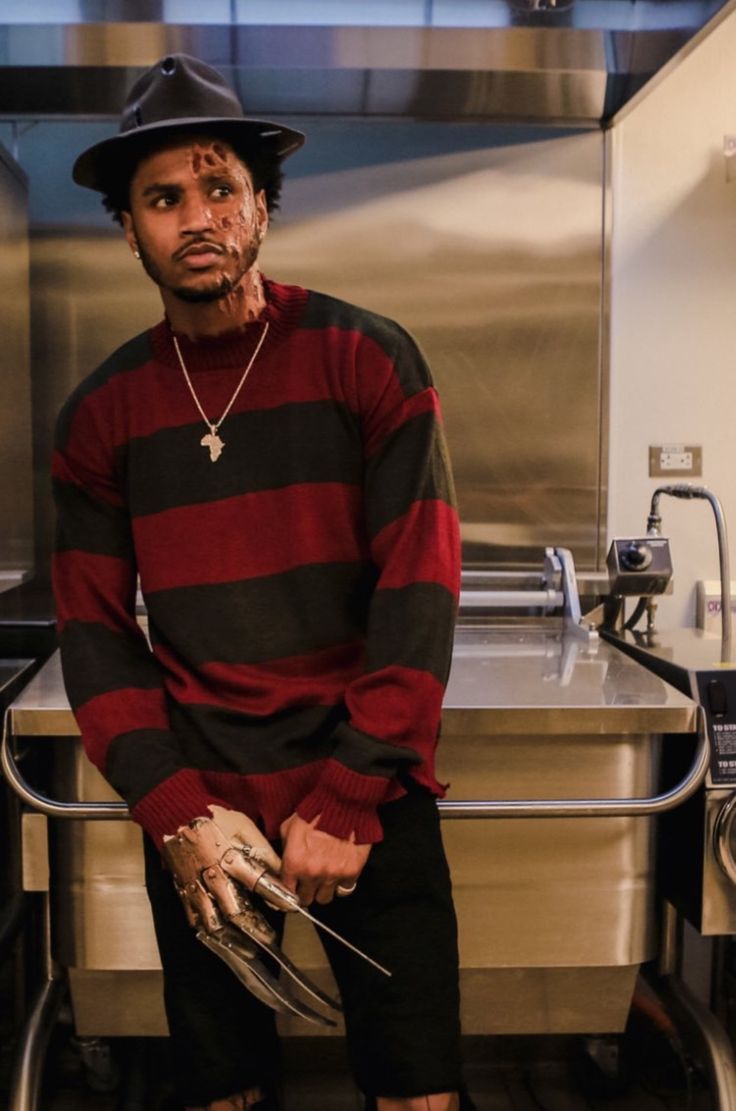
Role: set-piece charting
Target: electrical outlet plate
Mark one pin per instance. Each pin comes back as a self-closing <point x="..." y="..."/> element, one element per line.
<point x="675" y="460"/>
<point x="729" y="154"/>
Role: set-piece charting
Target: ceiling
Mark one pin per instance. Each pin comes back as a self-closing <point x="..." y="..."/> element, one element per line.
<point x="572" y="62"/>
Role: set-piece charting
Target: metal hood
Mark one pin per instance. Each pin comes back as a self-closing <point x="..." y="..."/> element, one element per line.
<point x="556" y="61"/>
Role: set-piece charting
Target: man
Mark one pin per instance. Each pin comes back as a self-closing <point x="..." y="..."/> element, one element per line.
<point x="270" y="462"/>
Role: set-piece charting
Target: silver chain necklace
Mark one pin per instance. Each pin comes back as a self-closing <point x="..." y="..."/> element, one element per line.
<point x="212" y="440"/>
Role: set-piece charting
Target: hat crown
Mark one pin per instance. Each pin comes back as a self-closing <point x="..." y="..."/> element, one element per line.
<point x="179" y="87"/>
<point x="177" y="95"/>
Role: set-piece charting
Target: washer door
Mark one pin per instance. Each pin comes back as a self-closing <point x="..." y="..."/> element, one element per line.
<point x="724" y="838"/>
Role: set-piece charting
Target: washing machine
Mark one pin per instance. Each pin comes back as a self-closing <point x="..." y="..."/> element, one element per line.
<point x="697" y="857"/>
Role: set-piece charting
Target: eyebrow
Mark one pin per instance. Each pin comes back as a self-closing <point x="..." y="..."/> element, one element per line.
<point x="173" y="187"/>
<point x="160" y="187"/>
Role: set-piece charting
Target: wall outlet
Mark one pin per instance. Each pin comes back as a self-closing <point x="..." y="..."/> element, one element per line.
<point x="671" y="460"/>
<point x="729" y="154"/>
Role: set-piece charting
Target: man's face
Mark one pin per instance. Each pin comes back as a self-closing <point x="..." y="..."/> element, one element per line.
<point x="195" y="218"/>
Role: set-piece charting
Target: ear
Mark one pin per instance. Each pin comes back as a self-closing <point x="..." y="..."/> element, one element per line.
<point x="261" y="213"/>
<point x="129" y="231"/>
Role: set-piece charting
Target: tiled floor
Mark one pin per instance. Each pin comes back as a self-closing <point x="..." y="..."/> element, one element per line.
<point x="503" y="1075"/>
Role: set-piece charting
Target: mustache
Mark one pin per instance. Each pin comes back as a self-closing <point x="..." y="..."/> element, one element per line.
<point x="196" y="244"/>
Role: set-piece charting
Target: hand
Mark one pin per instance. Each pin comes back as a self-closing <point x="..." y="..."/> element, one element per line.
<point x="206" y="862"/>
<point x="216" y="863"/>
<point x="315" y="862"/>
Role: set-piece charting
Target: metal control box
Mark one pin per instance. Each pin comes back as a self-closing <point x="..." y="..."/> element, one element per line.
<point x="639" y="565"/>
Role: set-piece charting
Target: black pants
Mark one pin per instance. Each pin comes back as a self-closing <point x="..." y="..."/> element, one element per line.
<point x="403" y="1033"/>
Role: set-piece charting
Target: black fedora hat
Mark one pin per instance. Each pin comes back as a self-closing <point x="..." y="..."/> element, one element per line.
<point x="180" y="93"/>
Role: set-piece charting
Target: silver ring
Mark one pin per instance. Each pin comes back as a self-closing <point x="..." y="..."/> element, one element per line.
<point x="342" y="890"/>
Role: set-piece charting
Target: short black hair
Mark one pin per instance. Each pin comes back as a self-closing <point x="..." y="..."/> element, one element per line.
<point x="265" y="169"/>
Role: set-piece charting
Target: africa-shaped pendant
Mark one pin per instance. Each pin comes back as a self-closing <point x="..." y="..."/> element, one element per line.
<point x="214" y="443"/>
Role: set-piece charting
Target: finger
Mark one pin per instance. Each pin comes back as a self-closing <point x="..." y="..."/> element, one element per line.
<point x="240" y="829"/>
<point x="289" y="877"/>
<point x="325" y="893"/>
<point x="242" y="868"/>
<point x="306" y="889"/>
<point x="200" y="907"/>
<point x="223" y="889"/>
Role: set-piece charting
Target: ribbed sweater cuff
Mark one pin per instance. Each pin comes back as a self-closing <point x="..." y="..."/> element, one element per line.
<point x="173" y="803"/>
<point x="346" y="803"/>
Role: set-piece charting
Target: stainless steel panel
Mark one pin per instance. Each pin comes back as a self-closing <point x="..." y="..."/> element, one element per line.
<point x="512" y="67"/>
<point x="554" y="916"/>
<point x="16" y="464"/>
<point x="138" y="1009"/>
<point x="100" y="910"/>
<point x="521" y="679"/>
<point x="87" y="298"/>
<point x="546" y="1000"/>
<point x="35" y="851"/>
<point x="552" y="893"/>
<point x="551" y="912"/>
<point x="566" y="905"/>
<point x="507" y="682"/>
<point x="502" y="1000"/>
<point x="589" y="872"/>
<point x="490" y="256"/>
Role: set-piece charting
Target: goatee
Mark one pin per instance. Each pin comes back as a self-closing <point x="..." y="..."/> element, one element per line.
<point x="220" y="288"/>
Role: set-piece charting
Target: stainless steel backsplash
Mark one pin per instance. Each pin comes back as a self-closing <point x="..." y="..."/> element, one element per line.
<point x="491" y="256"/>
<point x="16" y="496"/>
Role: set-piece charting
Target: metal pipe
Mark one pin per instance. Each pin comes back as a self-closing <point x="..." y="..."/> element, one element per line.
<point x="466" y="808"/>
<point x="584" y="808"/>
<point x="53" y="807"/>
<point x="708" y="1039"/>
<point x="687" y="491"/>
<point x="670" y="942"/>
<point x="25" y="1084"/>
<point x="507" y="599"/>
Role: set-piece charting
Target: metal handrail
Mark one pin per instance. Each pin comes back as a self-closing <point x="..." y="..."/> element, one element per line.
<point x="585" y="808"/>
<point x="53" y="807"/>
<point x="466" y="808"/>
<point x="510" y="599"/>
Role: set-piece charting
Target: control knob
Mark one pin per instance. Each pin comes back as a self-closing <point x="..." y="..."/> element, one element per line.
<point x="635" y="556"/>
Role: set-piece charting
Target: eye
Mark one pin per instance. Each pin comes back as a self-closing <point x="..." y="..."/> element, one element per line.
<point x="222" y="191"/>
<point x="164" y="200"/>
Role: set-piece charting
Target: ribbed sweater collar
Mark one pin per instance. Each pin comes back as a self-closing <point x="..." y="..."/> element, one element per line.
<point x="284" y="307"/>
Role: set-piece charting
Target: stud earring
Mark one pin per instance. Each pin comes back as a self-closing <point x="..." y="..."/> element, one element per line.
<point x="136" y="253"/>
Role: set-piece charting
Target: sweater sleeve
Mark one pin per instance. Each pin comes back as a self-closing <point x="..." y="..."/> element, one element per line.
<point x="111" y="677"/>
<point x="411" y="520"/>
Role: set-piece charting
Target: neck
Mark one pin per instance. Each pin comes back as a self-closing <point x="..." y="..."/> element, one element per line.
<point x="237" y="309"/>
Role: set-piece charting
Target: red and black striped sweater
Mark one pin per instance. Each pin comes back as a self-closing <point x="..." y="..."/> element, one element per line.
<point x="301" y="590"/>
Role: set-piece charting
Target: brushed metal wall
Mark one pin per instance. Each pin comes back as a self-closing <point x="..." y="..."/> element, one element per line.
<point x="492" y="258"/>
<point x="16" y="492"/>
<point x="490" y="252"/>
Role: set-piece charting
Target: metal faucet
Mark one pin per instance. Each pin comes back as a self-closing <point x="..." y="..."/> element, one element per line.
<point x="654" y="521"/>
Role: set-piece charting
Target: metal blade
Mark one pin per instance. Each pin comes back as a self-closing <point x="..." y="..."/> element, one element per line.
<point x="257" y="979"/>
<point x="276" y="895"/>
<point x="291" y="969"/>
<point x="341" y="939"/>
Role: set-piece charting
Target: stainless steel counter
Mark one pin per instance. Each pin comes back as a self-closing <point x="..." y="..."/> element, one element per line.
<point x="509" y="680"/>
<point x="555" y="913"/>
<point x="521" y="678"/>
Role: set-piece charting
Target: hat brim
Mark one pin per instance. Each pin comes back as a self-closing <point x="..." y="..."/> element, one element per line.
<point x="99" y="163"/>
